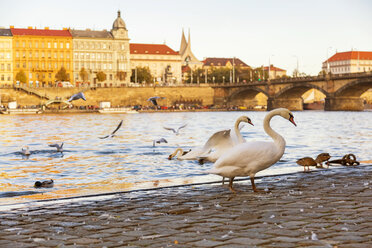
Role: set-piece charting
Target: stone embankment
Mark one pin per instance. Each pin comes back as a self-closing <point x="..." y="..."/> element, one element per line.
<point x="327" y="208"/>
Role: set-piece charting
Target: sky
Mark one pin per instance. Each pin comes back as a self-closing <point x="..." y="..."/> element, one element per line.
<point x="283" y="33"/>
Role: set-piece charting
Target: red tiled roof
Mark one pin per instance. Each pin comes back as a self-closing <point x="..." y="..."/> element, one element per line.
<point x="40" y="32"/>
<point x="163" y="49"/>
<point x="185" y="68"/>
<point x="272" y="68"/>
<point x="351" y="55"/>
<point x="223" y="62"/>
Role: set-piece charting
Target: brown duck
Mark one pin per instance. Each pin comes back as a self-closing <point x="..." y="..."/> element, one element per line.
<point x="323" y="157"/>
<point x="307" y="162"/>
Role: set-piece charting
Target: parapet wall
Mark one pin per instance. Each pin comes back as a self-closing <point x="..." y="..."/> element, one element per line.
<point x="117" y="96"/>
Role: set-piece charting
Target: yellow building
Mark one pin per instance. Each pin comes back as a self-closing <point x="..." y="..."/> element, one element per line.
<point x="6" y="58"/>
<point x="41" y="53"/>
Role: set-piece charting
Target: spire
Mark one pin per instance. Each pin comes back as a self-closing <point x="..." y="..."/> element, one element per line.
<point x="183" y="43"/>
<point x="118" y="13"/>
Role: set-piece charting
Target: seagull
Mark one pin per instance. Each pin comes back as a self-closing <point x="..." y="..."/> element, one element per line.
<point x="25" y="151"/>
<point x="153" y="100"/>
<point x="59" y="147"/>
<point x="113" y="133"/>
<point x="77" y="96"/>
<point x="161" y="140"/>
<point x="174" y="130"/>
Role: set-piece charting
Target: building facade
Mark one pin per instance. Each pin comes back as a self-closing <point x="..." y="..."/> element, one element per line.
<point x="102" y="51"/>
<point x="348" y="62"/>
<point x="6" y="58"/>
<point x="41" y="53"/>
<point x="274" y="72"/>
<point x="164" y="63"/>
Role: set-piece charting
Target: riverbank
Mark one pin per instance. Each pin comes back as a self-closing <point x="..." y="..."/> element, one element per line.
<point x="324" y="208"/>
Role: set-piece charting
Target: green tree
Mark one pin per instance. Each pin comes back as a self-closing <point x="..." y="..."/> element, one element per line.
<point x="83" y="74"/>
<point x="62" y="75"/>
<point x="143" y="75"/>
<point x="21" y="76"/>
<point x="101" y="76"/>
<point x="121" y="75"/>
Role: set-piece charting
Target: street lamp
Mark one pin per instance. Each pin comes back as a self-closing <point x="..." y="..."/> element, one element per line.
<point x="328" y="59"/>
<point x="297" y="65"/>
<point x="268" y="79"/>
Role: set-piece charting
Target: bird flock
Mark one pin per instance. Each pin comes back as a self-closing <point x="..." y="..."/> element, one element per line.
<point x="232" y="156"/>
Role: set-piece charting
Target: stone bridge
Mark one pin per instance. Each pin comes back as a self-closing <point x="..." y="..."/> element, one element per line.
<point x="342" y="91"/>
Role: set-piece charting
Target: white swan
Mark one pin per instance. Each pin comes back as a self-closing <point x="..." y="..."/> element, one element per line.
<point x="246" y="159"/>
<point x="235" y="138"/>
<point x="216" y="139"/>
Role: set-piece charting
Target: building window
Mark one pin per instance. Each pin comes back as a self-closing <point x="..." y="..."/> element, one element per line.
<point x="49" y="54"/>
<point x="30" y="65"/>
<point x="30" y="54"/>
<point x="24" y="55"/>
<point x="37" y="44"/>
<point x="2" y="77"/>
<point x="76" y="56"/>
<point x="30" y="75"/>
<point x="68" y="66"/>
<point x="61" y="55"/>
<point x="37" y="65"/>
<point x="49" y="45"/>
<point x="42" y="54"/>
<point x="61" y="45"/>
<point x="43" y="45"/>
<point x="55" y="45"/>
<point x="17" y="44"/>
<point x="49" y="75"/>
<point x="68" y="45"/>
<point x="24" y="64"/>
<point x="36" y="54"/>
<point x="68" y="55"/>
<point x="23" y="44"/>
<point x="2" y="67"/>
<point x="55" y="65"/>
<point x="49" y="66"/>
<point x="17" y="64"/>
<point x="9" y="67"/>
<point x="55" y="55"/>
<point x="30" y="45"/>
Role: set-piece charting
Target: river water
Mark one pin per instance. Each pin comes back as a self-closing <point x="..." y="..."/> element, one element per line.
<point x="90" y="165"/>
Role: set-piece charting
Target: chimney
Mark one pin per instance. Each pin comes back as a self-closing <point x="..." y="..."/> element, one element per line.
<point x="11" y="26"/>
<point x="29" y="27"/>
<point x="46" y="28"/>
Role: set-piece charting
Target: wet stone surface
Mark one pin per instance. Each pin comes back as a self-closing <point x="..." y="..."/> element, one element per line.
<point x="329" y="208"/>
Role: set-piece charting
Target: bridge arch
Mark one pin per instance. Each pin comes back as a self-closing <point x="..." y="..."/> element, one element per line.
<point x="245" y="96"/>
<point x="355" y="88"/>
<point x="297" y="90"/>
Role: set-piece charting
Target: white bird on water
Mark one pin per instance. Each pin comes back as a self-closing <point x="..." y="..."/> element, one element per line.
<point x="58" y="146"/>
<point x="176" y="131"/>
<point x="25" y="151"/>
<point x="113" y="133"/>
<point x="246" y="159"/>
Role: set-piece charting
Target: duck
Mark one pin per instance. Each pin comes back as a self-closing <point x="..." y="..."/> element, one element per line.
<point x="323" y="157"/>
<point x="44" y="184"/>
<point x="306" y="162"/>
<point x="248" y="158"/>
<point x="25" y="151"/>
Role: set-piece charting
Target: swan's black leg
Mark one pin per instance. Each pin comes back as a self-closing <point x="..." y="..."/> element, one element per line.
<point x="230" y="185"/>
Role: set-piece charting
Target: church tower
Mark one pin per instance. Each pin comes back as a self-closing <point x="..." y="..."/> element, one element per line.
<point x="119" y="29"/>
<point x="187" y="57"/>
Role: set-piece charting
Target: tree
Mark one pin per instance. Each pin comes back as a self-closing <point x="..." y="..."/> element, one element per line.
<point x="62" y="75"/>
<point x="21" y="76"/>
<point x="143" y="75"/>
<point x="83" y="74"/>
<point x="101" y="76"/>
<point x="121" y="75"/>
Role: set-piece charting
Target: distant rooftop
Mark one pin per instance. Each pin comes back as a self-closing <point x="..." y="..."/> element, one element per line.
<point x="136" y="48"/>
<point x="351" y="55"/>
<point x="40" y="32"/>
<point x="273" y="68"/>
<point x="90" y="33"/>
<point x="223" y="62"/>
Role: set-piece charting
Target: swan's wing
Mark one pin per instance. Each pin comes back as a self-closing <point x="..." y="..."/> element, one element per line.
<point x="193" y="154"/>
<point x="117" y="128"/>
<point x="217" y="138"/>
<point x="169" y="128"/>
<point x="181" y="127"/>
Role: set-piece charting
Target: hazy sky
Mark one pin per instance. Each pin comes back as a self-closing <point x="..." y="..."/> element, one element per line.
<point x="255" y="31"/>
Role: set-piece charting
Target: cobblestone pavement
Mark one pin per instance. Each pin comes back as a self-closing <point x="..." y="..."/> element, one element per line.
<point x="327" y="208"/>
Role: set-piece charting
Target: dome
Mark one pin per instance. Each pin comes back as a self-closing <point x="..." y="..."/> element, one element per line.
<point x="119" y="23"/>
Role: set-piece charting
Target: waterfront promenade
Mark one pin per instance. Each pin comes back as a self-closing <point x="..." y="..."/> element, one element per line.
<point x="324" y="208"/>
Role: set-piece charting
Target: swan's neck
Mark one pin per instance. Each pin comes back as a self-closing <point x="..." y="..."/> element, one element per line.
<point x="237" y="131"/>
<point x="278" y="139"/>
<point x="178" y="150"/>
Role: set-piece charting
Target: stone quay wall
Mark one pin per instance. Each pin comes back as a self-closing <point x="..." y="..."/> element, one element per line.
<point x="127" y="96"/>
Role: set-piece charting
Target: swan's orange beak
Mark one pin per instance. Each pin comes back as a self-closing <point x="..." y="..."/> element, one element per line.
<point x="170" y="157"/>
<point x="292" y="120"/>
<point x="250" y="123"/>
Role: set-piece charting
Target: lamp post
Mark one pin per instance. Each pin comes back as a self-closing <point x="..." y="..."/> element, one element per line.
<point x="268" y="79"/>
<point x="328" y="59"/>
<point x="233" y="79"/>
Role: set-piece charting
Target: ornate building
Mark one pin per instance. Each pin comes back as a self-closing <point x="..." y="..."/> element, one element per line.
<point x="163" y="62"/>
<point x="41" y="53"/>
<point x="348" y="62"/>
<point x="102" y="51"/>
<point x="6" y="58"/>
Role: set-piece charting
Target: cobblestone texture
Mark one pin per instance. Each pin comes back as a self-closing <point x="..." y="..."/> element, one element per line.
<point x="328" y="208"/>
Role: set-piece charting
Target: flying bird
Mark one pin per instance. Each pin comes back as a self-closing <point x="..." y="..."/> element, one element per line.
<point x="153" y="100"/>
<point x="161" y="140"/>
<point x="58" y="146"/>
<point x="113" y="133"/>
<point x="176" y="131"/>
<point x="77" y="96"/>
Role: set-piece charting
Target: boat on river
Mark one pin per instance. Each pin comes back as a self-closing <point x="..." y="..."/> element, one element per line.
<point x="117" y="111"/>
<point x="24" y="111"/>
